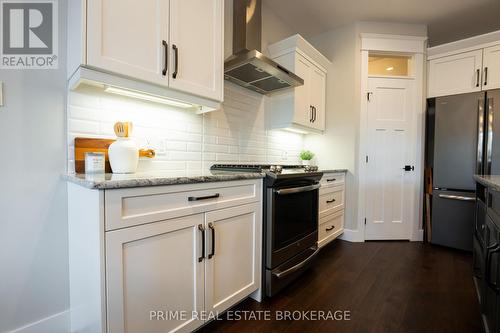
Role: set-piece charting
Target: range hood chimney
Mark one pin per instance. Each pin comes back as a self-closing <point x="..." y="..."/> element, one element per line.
<point x="248" y="67"/>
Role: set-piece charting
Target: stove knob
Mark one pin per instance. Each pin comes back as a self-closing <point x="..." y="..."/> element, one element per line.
<point x="272" y="168"/>
<point x="279" y="168"/>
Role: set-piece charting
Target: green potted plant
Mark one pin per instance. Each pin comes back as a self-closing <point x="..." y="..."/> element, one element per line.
<point x="306" y="156"/>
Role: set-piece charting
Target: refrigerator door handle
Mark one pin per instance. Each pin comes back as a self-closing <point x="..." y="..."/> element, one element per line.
<point x="480" y="136"/>
<point x="456" y="197"/>
<point x="489" y="144"/>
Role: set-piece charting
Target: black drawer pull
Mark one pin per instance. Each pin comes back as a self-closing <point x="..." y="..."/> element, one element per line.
<point x="214" y="196"/>
<point x="211" y="227"/>
<point x="330" y="201"/>
<point x="330" y="228"/>
<point x="202" y="229"/>
<point x="331" y="180"/>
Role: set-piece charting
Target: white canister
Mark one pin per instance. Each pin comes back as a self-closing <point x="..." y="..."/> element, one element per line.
<point x="123" y="156"/>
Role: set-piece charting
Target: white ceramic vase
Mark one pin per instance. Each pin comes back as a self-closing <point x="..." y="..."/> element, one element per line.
<point x="306" y="162"/>
<point x="123" y="156"/>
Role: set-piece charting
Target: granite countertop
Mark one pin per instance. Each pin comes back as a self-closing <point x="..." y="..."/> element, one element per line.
<point x="115" y="181"/>
<point x="333" y="170"/>
<point x="492" y="181"/>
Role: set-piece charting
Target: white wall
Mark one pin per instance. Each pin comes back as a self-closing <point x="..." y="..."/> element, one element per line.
<point x="339" y="146"/>
<point x="33" y="227"/>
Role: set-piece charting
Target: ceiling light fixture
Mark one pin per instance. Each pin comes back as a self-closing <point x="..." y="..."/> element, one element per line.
<point x="147" y="97"/>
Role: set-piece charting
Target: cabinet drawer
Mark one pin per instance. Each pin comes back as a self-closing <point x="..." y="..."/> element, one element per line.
<point x="129" y="207"/>
<point x="333" y="179"/>
<point x="331" y="200"/>
<point x="330" y="227"/>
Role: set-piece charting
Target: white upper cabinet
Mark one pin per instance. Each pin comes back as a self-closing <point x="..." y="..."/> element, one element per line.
<point x="491" y="64"/>
<point x="464" y="66"/>
<point x="301" y="108"/>
<point x="196" y="38"/>
<point x="177" y="44"/>
<point x="455" y="74"/>
<point x="125" y="37"/>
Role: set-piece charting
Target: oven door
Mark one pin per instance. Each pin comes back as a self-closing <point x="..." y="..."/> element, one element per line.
<point x="293" y="219"/>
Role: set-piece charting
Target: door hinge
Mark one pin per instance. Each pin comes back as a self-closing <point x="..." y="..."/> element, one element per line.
<point x="368" y="95"/>
<point x="365" y="220"/>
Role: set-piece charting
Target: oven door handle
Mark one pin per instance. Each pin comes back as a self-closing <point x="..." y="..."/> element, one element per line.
<point x="292" y="269"/>
<point x="297" y="189"/>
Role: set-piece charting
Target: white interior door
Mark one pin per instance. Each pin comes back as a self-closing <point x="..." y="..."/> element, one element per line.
<point x="233" y="265"/>
<point x="155" y="267"/>
<point x="391" y="146"/>
<point x="126" y="37"/>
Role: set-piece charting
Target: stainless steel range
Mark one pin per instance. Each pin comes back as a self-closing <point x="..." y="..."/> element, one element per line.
<point x="290" y="220"/>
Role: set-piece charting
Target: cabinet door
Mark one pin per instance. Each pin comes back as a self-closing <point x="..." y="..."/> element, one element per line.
<point x="303" y="107"/>
<point x="456" y="74"/>
<point x="491" y="295"/>
<point x="196" y="43"/>
<point x="155" y="267"/>
<point x="233" y="266"/>
<point x="491" y="67"/>
<point x="317" y="94"/>
<point x="125" y="37"/>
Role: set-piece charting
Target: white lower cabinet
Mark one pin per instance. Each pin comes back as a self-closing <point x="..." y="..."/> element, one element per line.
<point x="154" y="268"/>
<point x="233" y="258"/>
<point x="331" y="207"/>
<point x="167" y="275"/>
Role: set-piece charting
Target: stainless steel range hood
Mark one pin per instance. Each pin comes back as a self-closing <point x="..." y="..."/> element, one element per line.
<point x="248" y="67"/>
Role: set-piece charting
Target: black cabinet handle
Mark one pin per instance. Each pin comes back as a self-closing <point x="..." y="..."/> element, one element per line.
<point x="213" y="196"/>
<point x="331" y="179"/>
<point x="315" y="114"/>
<point x="211" y="227"/>
<point x="330" y="201"/>
<point x="176" y="60"/>
<point x="330" y="228"/>
<point x="311" y="113"/>
<point x="478" y="74"/>
<point x="485" y="76"/>
<point x="165" y="68"/>
<point x="489" y="251"/>
<point x="202" y="229"/>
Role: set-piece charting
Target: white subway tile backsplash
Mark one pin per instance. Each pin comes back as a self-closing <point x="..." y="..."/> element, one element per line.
<point x="183" y="140"/>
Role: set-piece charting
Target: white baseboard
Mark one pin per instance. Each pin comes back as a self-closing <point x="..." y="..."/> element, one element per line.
<point x="58" y="323"/>
<point x="352" y="236"/>
<point x="419" y="236"/>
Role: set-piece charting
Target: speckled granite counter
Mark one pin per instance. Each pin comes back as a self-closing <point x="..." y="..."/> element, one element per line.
<point x="114" y="181"/>
<point x="333" y="170"/>
<point x="492" y="181"/>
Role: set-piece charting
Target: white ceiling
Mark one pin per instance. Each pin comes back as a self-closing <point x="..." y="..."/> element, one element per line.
<point x="447" y="20"/>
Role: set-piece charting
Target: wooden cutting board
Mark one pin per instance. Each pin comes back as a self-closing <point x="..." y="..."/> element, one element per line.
<point x="91" y="145"/>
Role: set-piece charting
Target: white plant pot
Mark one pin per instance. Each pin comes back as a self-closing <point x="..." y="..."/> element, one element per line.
<point x="123" y="156"/>
<point x="306" y="162"/>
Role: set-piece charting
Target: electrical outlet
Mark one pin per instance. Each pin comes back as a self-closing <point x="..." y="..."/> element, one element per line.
<point x="284" y="155"/>
<point x="1" y="93"/>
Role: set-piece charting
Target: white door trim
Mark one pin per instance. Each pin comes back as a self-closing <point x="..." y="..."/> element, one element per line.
<point x="414" y="48"/>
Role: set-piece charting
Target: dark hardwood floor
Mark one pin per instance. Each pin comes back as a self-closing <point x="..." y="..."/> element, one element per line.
<point x="386" y="286"/>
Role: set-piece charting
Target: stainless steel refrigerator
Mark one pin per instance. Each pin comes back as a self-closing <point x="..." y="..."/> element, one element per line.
<point x="463" y="139"/>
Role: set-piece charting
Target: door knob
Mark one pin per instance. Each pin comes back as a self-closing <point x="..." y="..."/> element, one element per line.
<point x="409" y="168"/>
